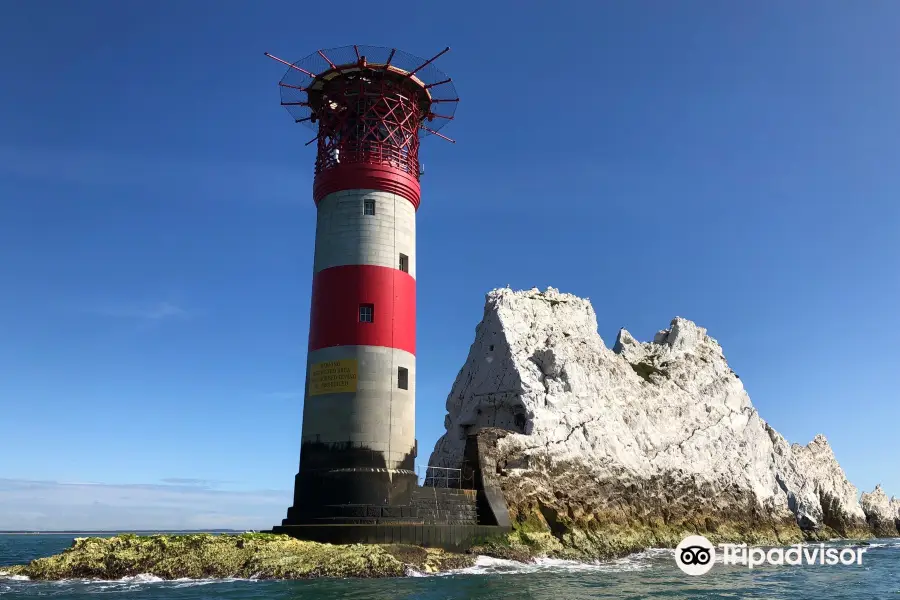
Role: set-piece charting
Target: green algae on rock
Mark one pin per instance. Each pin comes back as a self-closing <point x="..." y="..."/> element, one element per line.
<point x="249" y="555"/>
<point x="582" y="540"/>
<point x="12" y="571"/>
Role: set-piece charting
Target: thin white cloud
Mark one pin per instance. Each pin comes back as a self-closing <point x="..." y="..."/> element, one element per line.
<point x="159" y="311"/>
<point x="180" y="504"/>
<point x="202" y="483"/>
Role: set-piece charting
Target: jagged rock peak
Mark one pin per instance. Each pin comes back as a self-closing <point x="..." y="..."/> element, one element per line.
<point x="624" y="340"/>
<point x="532" y="313"/>
<point x="682" y="336"/>
<point x="664" y="424"/>
<point x="819" y="444"/>
<point x="882" y="513"/>
<point x="817" y="487"/>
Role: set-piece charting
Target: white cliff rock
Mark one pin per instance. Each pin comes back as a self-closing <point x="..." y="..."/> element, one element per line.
<point x="817" y="488"/>
<point x="659" y="435"/>
<point x="882" y="514"/>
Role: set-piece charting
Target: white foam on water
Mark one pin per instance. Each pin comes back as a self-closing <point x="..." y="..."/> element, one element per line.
<point x="137" y="581"/>
<point x="185" y="582"/>
<point x="484" y="565"/>
<point x="488" y="565"/>
<point x="490" y="562"/>
<point x="142" y="578"/>
<point x="888" y="544"/>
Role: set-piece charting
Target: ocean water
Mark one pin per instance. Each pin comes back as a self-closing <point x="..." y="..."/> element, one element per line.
<point x="650" y="574"/>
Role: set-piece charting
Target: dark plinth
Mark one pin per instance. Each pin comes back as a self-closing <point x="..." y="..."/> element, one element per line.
<point x="349" y="483"/>
<point x="359" y="494"/>
<point x="437" y="517"/>
<point x="397" y="510"/>
<point x="354" y="514"/>
<point x="449" y="537"/>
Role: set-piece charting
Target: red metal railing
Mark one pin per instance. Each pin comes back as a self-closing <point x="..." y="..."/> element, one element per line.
<point x="377" y="153"/>
<point x="370" y="122"/>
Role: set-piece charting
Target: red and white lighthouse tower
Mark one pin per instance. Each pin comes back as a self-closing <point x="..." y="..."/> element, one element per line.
<point x="368" y="106"/>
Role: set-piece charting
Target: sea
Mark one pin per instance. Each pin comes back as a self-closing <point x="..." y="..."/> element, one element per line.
<point x="649" y="574"/>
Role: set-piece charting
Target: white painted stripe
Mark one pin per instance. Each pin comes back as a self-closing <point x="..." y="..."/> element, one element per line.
<point x="345" y="235"/>
<point x="379" y="414"/>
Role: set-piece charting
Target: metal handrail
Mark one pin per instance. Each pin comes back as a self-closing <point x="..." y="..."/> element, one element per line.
<point x="366" y="152"/>
<point x="446" y="477"/>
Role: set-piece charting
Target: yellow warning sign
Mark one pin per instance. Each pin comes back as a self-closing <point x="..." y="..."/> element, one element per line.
<point x="332" y="377"/>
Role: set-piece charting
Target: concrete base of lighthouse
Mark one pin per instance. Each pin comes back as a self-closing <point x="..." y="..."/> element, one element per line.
<point x="358" y="449"/>
<point x="378" y="494"/>
<point x="449" y="537"/>
<point x="449" y="518"/>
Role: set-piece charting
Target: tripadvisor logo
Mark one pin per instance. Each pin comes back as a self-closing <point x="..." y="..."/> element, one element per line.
<point x="695" y="555"/>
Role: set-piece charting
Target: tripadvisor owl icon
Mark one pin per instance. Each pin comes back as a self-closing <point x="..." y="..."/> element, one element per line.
<point x="695" y="555"/>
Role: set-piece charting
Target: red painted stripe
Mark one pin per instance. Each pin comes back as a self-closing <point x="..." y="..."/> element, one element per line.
<point x="362" y="176"/>
<point x="337" y="294"/>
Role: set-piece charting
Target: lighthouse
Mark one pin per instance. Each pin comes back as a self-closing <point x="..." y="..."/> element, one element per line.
<point x="369" y="107"/>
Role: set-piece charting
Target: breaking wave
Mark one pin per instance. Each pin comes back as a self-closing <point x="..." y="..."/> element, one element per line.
<point x="487" y="565"/>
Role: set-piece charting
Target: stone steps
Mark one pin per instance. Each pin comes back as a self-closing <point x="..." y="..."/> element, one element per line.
<point x="445" y="505"/>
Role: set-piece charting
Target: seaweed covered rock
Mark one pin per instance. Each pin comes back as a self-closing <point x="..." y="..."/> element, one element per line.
<point x="257" y="556"/>
<point x="615" y="450"/>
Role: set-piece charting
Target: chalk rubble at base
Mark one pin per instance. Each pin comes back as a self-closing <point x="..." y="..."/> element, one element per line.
<point x="600" y="436"/>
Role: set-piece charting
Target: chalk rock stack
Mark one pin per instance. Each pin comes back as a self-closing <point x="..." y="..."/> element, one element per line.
<point x="645" y="441"/>
<point x="883" y="514"/>
<point x="817" y="490"/>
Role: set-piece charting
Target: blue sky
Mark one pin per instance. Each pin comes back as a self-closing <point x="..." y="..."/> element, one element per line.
<point x="732" y="164"/>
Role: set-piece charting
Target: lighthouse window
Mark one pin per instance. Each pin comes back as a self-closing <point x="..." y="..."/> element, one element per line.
<point x="404" y="263"/>
<point x="368" y="207"/>
<point x="366" y="313"/>
<point x="403" y="378"/>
